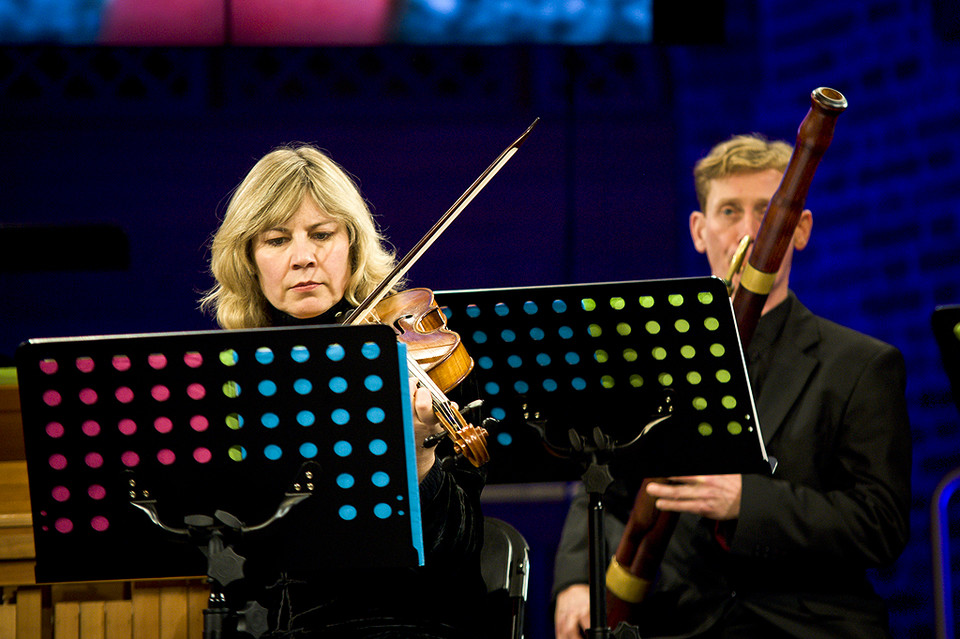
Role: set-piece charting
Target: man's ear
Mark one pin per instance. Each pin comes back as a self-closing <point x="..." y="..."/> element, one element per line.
<point x="697" y="221"/>
<point x="802" y="233"/>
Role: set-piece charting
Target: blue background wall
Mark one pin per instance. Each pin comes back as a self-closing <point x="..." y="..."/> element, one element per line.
<point x="152" y="140"/>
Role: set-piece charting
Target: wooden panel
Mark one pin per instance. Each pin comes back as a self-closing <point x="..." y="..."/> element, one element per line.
<point x="92" y="620"/>
<point x="30" y="614"/>
<point x="11" y="426"/>
<point x="66" y="620"/>
<point x="173" y="611"/>
<point x="8" y="620"/>
<point x="118" y="616"/>
<point x="146" y="610"/>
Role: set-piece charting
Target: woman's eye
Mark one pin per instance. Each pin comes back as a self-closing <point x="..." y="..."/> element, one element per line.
<point x="322" y="235"/>
<point x="275" y="241"/>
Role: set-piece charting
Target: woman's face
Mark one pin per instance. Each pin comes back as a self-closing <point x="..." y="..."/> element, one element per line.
<point x="303" y="265"/>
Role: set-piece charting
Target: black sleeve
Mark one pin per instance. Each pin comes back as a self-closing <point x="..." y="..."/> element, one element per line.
<point x="450" y="505"/>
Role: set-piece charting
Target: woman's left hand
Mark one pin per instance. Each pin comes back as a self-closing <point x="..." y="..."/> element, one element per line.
<point x="425" y="423"/>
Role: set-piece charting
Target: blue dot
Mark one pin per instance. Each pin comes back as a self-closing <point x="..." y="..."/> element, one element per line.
<point x="378" y="446"/>
<point x="492" y="388"/>
<point x="302" y="386"/>
<point x="537" y="333"/>
<point x="473" y="310"/>
<point x="299" y="354"/>
<point x="530" y="307"/>
<point x="565" y="332"/>
<point x="338" y="384"/>
<point x="345" y="480"/>
<point x="370" y="350"/>
<point x="264" y="355"/>
<point x="498" y="413"/>
<point x="549" y="385"/>
<point x="479" y="337"/>
<point x="308" y="450"/>
<point x="373" y="383"/>
<point x="380" y="479"/>
<point x="485" y="362"/>
<point x="514" y="361"/>
<point x="272" y="451"/>
<point x="376" y="415"/>
<point x="340" y="417"/>
<point x="504" y="439"/>
<point x="342" y="448"/>
<point x="521" y="386"/>
<point x="335" y="352"/>
<point x="382" y="511"/>
<point x="543" y="359"/>
<point x="578" y="383"/>
<point x="267" y="388"/>
<point x="348" y="512"/>
<point x="501" y="309"/>
<point x="507" y="335"/>
<point x="572" y="358"/>
<point x="447" y="312"/>
<point x="559" y="306"/>
<point x="306" y="418"/>
<point x="270" y="420"/>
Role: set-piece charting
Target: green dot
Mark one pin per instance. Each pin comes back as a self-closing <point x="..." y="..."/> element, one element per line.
<point x="228" y="357"/>
<point x="659" y="353"/>
<point x="693" y="377"/>
<point x="717" y="350"/>
<point x="675" y="300"/>
<point x="231" y="389"/>
<point x="734" y="428"/>
<point x="601" y="356"/>
<point x="705" y="297"/>
<point x="606" y="381"/>
<point x="636" y="381"/>
<point x="623" y="328"/>
<point x="234" y="421"/>
<point x="588" y="304"/>
<point x="630" y="355"/>
<point x="646" y="301"/>
<point x="235" y="453"/>
<point x="688" y="351"/>
<point x="699" y="403"/>
<point x="728" y="401"/>
<point x="705" y="429"/>
<point x="956" y="330"/>
<point x="665" y="379"/>
<point x="594" y="330"/>
<point x="682" y="325"/>
<point x="711" y="323"/>
<point x="652" y="327"/>
<point x="723" y="376"/>
<point x="617" y="303"/>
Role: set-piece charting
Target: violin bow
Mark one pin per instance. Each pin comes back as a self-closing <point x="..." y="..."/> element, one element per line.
<point x="366" y="307"/>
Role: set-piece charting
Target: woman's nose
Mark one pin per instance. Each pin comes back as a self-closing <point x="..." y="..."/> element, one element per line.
<point x="304" y="254"/>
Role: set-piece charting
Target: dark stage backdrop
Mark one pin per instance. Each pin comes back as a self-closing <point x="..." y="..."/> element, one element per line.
<point x="151" y="141"/>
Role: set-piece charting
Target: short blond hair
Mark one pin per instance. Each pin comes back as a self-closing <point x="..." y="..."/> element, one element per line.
<point x="268" y="196"/>
<point x="739" y="154"/>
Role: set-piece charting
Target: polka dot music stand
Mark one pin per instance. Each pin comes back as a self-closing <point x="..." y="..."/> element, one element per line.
<point x="232" y="428"/>
<point x="617" y="356"/>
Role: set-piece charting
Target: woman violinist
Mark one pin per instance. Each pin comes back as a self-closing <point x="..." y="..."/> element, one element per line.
<point x="299" y="246"/>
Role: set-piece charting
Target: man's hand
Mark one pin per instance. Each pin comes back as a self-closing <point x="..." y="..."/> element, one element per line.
<point x="572" y="614"/>
<point x="713" y="496"/>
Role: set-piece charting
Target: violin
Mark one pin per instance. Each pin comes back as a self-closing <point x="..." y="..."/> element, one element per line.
<point x="436" y="357"/>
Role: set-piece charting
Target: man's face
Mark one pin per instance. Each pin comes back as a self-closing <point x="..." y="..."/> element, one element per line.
<point x="735" y="207"/>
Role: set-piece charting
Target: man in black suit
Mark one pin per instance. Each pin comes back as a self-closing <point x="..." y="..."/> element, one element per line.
<point x="790" y="555"/>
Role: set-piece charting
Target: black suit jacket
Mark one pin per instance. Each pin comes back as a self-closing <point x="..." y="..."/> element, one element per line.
<point x="833" y="413"/>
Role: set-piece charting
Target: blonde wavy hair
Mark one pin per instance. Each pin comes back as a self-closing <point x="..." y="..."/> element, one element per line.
<point x="739" y="154"/>
<point x="268" y="196"/>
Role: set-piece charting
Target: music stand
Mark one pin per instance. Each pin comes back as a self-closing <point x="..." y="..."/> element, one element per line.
<point x="646" y="377"/>
<point x="292" y="434"/>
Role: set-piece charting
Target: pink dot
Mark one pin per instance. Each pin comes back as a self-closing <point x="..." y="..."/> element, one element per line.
<point x="202" y="455"/>
<point x="130" y="459"/>
<point x="88" y="396"/>
<point x="90" y="428"/>
<point x="166" y="457"/>
<point x="55" y="430"/>
<point x="199" y="423"/>
<point x="121" y="362"/>
<point x="58" y="461"/>
<point x="160" y="393"/>
<point x="84" y="364"/>
<point x="163" y="424"/>
<point x="124" y="395"/>
<point x="99" y="523"/>
<point x="96" y="491"/>
<point x="127" y="426"/>
<point x="157" y="360"/>
<point x="60" y="493"/>
<point x="51" y="398"/>
<point x="196" y="391"/>
<point x="49" y="366"/>
<point x="193" y="359"/>
<point x="93" y="460"/>
<point x="63" y="525"/>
